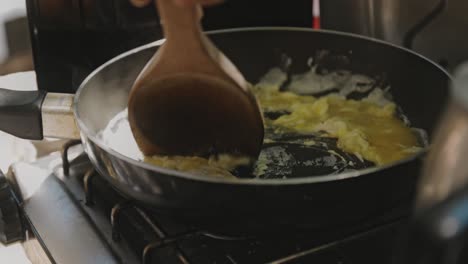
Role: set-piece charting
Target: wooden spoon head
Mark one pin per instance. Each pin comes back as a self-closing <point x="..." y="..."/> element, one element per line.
<point x="195" y="114"/>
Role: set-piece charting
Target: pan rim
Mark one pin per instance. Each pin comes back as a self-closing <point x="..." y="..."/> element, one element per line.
<point x="242" y="181"/>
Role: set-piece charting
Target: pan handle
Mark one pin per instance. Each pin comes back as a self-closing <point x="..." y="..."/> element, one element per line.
<point x="20" y="113"/>
<point x="37" y="114"/>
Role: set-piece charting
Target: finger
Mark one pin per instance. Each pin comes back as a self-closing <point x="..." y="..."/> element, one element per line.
<point x="193" y="2"/>
<point x="140" y="3"/>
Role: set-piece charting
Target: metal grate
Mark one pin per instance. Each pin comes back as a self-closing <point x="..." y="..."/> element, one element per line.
<point x="155" y="237"/>
<point x="65" y="161"/>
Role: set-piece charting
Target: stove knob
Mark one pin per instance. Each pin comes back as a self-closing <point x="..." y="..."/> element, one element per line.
<point x="11" y="228"/>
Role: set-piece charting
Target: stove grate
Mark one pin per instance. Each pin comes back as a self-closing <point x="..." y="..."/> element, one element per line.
<point x="65" y="160"/>
<point x="88" y="187"/>
<point x="154" y="237"/>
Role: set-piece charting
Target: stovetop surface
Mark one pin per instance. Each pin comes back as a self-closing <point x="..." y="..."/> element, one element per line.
<point x="80" y="218"/>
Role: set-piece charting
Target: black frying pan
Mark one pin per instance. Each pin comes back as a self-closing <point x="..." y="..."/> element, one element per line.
<point x="307" y="198"/>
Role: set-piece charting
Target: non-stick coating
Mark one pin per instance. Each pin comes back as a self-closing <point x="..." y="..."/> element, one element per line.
<point x="418" y="86"/>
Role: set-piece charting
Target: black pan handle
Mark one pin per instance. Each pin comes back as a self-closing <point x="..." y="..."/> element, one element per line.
<point x="20" y="113"/>
<point x="438" y="234"/>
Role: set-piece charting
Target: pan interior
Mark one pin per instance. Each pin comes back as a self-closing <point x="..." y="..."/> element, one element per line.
<point x="105" y="93"/>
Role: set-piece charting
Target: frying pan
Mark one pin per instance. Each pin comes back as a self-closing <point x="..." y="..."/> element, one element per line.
<point x="418" y="86"/>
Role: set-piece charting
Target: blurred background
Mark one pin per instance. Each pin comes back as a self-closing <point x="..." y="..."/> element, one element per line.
<point x="15" y="46"/>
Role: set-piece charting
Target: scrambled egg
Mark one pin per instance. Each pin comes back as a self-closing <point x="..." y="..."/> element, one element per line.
<point x="364" y="128"/>
<point x="220" y="166"/>
<point x="368" y="128"/>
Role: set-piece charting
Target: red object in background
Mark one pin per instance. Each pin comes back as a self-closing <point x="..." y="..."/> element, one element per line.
<point x="316" y="23"/>
<point x="316" y="14"/>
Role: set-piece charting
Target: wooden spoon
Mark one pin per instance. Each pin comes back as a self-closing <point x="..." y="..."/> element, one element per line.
<point x="190" y="99"/>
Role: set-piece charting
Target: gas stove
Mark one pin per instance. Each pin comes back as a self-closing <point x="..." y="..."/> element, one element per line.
<point x="69" y="214"/>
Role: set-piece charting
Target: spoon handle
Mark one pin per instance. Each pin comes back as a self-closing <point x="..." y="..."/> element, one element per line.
<point x="180" y="23"/>
<point x="186" y="41"/>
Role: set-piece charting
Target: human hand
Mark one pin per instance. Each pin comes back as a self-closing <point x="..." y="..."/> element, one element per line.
<point x="143" y="3"/>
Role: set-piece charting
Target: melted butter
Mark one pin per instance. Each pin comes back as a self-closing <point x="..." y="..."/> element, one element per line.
<point x="366" y="128"/>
